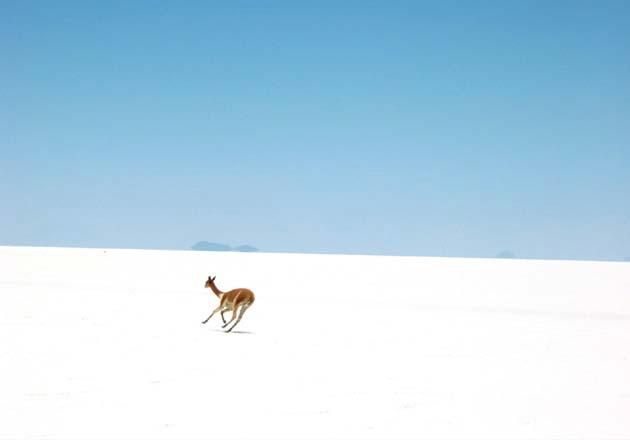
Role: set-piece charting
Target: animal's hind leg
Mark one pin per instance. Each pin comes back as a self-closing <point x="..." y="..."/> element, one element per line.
<point x="240" y="315"/>
<point x="233" y="317"/>
<point x="211" y="314"/>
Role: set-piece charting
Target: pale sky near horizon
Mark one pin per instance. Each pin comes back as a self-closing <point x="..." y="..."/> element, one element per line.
<point x="402" y="128"/>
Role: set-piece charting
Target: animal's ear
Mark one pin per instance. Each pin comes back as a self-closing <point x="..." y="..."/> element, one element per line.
<point x="215" y="277"/>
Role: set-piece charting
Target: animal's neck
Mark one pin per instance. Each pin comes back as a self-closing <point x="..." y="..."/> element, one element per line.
<point x="216" y="291"/>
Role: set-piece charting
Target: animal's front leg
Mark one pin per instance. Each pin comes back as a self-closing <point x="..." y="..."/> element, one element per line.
<point x="222" y="316"/>
<point x="211" y="314"/>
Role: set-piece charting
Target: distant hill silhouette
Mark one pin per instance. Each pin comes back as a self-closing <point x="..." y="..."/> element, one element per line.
<point x="220" y="247"/>
<point x="245" y="248"/>
<point x="506" y="254"/>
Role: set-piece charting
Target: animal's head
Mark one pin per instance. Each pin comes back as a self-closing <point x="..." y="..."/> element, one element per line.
<point x="210" y="281"/>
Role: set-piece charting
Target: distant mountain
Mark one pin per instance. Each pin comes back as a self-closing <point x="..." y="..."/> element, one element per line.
<point x="220" y="247"/>
<point x="245" y="248"/>
<point x="207" y="246"/>
<point x="506" y="254"/>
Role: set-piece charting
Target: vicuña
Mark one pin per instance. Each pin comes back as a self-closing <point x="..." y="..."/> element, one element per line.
<point x="230" y="301"/>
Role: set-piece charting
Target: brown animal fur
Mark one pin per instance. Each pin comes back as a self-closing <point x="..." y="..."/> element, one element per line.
<point x="230" y="301"/>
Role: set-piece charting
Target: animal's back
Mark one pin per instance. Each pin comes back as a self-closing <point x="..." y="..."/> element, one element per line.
<point x="237" y="297"/>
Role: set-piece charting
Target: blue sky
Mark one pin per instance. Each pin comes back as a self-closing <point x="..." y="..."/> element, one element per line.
<point x="403" y="128"/>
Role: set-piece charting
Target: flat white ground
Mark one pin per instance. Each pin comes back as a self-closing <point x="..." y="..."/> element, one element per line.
<point x="109" y="344"/>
